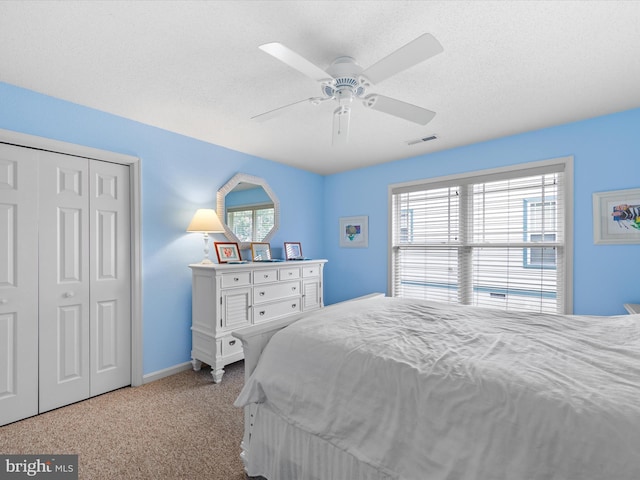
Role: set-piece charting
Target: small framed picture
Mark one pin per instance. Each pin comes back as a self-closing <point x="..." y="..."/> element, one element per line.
<point x="260" y="251"/>
<point x="227" y="252"/>
<point x="293" y="250"/>
<point x="354" y="231"/>
<point x="616" y="217"/>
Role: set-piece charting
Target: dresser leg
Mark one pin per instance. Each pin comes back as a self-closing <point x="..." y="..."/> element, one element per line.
<point x="197" y="364"/>
<point x="217" y="373"/>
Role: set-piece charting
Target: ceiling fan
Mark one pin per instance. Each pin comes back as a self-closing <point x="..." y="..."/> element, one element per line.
<point x="344" y="81"/>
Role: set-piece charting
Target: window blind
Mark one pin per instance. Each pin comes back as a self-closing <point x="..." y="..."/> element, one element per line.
<point x="249" y="222"/>
<point x="490" y="240"/>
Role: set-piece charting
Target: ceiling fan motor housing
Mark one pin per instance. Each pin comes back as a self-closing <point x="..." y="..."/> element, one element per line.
<point x="346" y="75"/>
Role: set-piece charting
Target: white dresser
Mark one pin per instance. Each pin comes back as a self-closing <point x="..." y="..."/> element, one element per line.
<point x="227" y="297"/>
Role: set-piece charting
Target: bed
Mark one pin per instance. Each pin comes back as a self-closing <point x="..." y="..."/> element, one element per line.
<point x="384" y="388"/>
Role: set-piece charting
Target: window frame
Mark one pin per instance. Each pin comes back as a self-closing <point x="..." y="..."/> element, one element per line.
<point x="564" y="164"/>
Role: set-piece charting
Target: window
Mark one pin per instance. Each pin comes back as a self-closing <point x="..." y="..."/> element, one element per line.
<point x="250" y="221"/>
<point x="540" y="218"/>
<point x="494" y="239"/>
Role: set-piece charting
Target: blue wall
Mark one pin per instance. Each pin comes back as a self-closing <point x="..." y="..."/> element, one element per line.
<point x="606" y="153"/>
<point x="180" y="174"/>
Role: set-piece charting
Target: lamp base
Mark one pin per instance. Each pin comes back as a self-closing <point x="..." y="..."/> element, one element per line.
<point x="206" y="261"/>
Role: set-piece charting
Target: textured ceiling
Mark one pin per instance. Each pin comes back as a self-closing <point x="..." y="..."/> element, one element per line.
<point x="195" y="68"/>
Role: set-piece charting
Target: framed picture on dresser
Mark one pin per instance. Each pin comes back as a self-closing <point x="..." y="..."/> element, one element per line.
<point x="227" y="252"/>
<point x="260" y="251"/>
<point x="293" y="250"/>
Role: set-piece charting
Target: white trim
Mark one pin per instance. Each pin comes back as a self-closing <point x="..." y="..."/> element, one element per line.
<point x="477" y="175"/>
<point x="568" y="234"/>
<point x="41" y="143"/>
<point x="166" y="372"/>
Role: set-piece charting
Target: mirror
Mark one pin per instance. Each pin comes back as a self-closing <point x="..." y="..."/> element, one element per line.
<point x="249" y="210"/>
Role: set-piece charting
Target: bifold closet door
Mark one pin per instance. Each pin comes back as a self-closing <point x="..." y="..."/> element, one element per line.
<point x="63" y="280"/>
<point x="18" y="284"/>
<point x="110" y="271"/>
<point x="84" y="279"/>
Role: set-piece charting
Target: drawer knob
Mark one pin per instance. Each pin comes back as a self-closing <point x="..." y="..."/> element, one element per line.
<point x="262" y="312"/>
<point x="236" y="279"/>
<point x="3" y="301"/>
<point x="232" y="342"/>
<point x="261" y="294"/>
<point x="266" y="275"/>
<point x="293" y="305"/>
<point x="293" y="288"/>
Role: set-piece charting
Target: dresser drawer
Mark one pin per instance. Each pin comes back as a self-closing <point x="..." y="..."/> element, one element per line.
<point x="263" y="313"/>
<point x="289" y="273"/>
<point x="268" y="293"/>
<point x="265" y="276"/>
<point x="311" y="271"/>
<point x="235" y="279"/>
<point x="230" y="346"/>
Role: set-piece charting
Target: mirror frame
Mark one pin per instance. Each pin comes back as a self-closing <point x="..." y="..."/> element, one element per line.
<point x="230" y="185"/>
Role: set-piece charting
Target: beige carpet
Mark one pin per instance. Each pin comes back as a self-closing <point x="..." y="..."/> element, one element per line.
<point x="179" y="427"/>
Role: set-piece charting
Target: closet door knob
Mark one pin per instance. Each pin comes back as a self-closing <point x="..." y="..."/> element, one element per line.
<point x="3" y="301"/>
<point x="69" y="294"/>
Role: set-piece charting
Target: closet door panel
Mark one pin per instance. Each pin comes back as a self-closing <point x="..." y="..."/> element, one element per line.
<point x="64" y="374"/>
<point x="18" y="284"/>
<point x="110" y="277"/>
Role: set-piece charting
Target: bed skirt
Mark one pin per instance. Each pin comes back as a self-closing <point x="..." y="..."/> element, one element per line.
<point x="281" y="451"/>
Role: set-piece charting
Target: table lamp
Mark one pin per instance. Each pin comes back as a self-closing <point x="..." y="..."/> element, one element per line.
<point x="205" y="221"/>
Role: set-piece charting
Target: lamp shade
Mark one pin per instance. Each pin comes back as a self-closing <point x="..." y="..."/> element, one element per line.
<point x="205" y="220"/>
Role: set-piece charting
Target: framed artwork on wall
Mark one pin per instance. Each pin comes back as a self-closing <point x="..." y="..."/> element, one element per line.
<point x="260" y="251"/>
<point x="354" y="231"/>
<point x="227" y="252"/>
<point x="616" y="217"/>
<point x="293" y="250"/>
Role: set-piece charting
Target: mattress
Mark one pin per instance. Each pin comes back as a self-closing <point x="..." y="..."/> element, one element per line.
<point x="412" y="388"/>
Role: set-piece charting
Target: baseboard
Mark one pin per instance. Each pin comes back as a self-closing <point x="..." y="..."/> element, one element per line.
<point x="152" y="377"/>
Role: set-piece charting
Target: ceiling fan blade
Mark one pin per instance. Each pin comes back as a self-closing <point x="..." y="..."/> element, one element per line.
<point x="414" y="52"/>
<point x="295" y="60"/>
<point x="408" y="111"/>
<point x="277" y="111"/>
<point x="341" y="119"/>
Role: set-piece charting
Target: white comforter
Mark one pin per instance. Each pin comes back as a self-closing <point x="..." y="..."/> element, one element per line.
<point x="428" y="391"/>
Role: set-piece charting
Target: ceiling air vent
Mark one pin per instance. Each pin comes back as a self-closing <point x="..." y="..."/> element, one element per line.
<point x="421" y="140"/>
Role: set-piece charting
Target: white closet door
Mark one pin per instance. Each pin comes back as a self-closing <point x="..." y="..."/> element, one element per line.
<point x="110" y="277"/>
<point x="18" y="284"/>
<point x="63" y="280"/>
